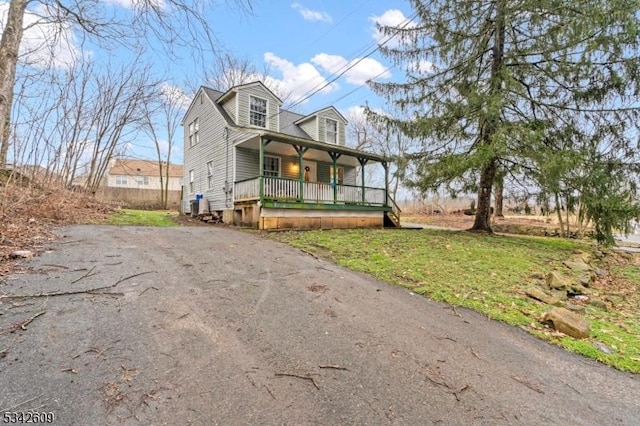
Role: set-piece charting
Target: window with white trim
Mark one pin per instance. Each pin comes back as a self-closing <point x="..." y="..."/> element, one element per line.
<point x="210" y="174"/>
<point x="121" y="180"/>
<point x="257" y="111"/>
<point x="339" y="177"/>
<point x="194" y="136"/>
<point x="331" y="131"/>
<point x="192" y="183"/>
<point x="271" y="166"/>
<point x="142" y="180"/>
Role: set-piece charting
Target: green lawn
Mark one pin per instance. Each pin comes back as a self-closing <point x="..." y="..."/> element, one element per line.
<point x="142" y="218"/>
<point x="486" y="273"/>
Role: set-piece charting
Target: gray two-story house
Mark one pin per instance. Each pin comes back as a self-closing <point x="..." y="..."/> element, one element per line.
<point x="253" y="163"/>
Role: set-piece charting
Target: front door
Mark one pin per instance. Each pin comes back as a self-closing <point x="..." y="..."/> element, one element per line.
<point x="309" y="171"/>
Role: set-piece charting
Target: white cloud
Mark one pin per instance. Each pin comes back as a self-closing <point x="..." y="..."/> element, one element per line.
<point x="423" y="67"/>
<point x="391" y="18"/>
<point x="356" y="114"/>
<point x="311" y="15"/>
<point x="44" y="42"/>
<point x="361" y="72"/>
<point x="175" y="95"/>
<point x="297" y="80"/>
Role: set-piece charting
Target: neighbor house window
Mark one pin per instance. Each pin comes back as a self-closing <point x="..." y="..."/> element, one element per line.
<point x="339" y="178"/>
<point x="257" y="111"/>
<point x="210" y="174"/>
<point x="331" y="131"/>
<point x="121" y="180"/>
<point x="192" y="183"/>
<point x="143" y="180"/>
<point x="271" y="166"/>
<point x="194" y="136"/>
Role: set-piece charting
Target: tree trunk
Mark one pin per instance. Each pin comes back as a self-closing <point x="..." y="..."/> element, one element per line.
<point x="488" y="173"/>
<point x="9" y="47"/>
<point x="483" y="207"/>
<point x="499" y="195"/>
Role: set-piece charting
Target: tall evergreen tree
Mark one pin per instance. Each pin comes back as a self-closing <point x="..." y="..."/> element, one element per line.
<point x="509" y="79"/>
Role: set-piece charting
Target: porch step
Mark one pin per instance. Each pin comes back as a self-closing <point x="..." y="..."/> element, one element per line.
<point x="391" y="220"/>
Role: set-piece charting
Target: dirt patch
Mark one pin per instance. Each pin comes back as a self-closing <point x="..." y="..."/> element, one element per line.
<point x="29" y="212"/>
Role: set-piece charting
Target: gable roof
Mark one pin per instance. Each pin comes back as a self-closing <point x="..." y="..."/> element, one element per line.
<point x="288" y="124"/>
<point x="142" y="168"/>
<point x="316" y="113"/>
<point x="235" y="89"/>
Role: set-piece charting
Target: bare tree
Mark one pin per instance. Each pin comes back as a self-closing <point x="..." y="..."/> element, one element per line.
<point x="118" y="110"/>
<point x="176" y="24"/>
<point x="162" y="115"/>
<point x="394" y="145"/>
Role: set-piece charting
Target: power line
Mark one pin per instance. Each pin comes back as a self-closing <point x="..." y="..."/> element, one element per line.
<point x="350" y="66"/>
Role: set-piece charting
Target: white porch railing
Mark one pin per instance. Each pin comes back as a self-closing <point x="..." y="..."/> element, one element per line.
<point x="283" y="189"/>
<point x="246" y="189"/>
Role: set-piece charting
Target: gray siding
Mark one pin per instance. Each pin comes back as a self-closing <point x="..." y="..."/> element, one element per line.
<point x="311" y="127"/>
<point x="329" y="113"/>
<point x="210" y="148"/>
<point x="230" y="107"/>
<point x="273" y="106"/>
<point x="248" y="161"/>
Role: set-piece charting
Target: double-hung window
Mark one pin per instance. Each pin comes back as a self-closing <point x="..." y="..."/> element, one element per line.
<point x="192" y="183"/>
<point x="271" y="166"/>
<point x="331" y="131"/>
<point x="210" y="174"/>
<point x="194" y="136"/>
<point x="121" y="180"/>
<point x="143" y="180"/>
<point x="257" y="112"/>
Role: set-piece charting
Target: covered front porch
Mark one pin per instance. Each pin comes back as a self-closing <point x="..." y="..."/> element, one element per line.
<point x="309" y="180"/>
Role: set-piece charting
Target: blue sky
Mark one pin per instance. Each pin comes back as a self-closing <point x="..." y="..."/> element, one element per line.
<point x="301" y="43"/>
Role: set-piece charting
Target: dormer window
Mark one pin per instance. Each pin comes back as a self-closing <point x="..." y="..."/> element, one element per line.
<point x="331" y="131"/>
<point x="257" y="112"/>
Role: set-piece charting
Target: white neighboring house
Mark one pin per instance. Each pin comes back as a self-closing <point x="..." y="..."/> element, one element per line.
<point x="141" y="174"/>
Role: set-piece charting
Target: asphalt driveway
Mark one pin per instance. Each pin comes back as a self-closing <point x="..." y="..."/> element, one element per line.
<point x="209" y="325"/>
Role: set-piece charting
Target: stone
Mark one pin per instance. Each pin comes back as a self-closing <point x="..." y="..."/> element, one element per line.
<point x="578" y="288"/>
<point x="602" y="347"/>
<point x="573" y="307"/>
<point x="598" y="254"/>
<point x="538" y="294"/>
<point x="601" y="272"/>
<point x="31" y="221"/>
<point x="614" y="299"/>
<point x="537" y="276"/>
<point x="555" y="280"/>
<point x="567" y="322"/>
<point x="598" y="303"/>
<point x="581" y="298"/>
<point x="577" y="266"/>
<point x="21" y="254"/>
<point x="585" y="280"/>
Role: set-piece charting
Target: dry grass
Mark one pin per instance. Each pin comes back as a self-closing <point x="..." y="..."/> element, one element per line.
<point x="29" y="212"/>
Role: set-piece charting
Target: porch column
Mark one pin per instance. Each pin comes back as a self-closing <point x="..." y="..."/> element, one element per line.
<point x="263" y="144"/>
<point x="334" y="156"/>
<point x="386" y="182"/>
<point x="300" y="150"/>
<point x="362" y="162"/>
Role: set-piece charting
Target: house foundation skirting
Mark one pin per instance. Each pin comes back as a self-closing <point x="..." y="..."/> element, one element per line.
<point x="318" y="219"/>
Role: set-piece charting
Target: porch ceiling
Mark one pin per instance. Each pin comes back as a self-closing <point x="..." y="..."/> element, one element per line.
<point x="318" y="151"/>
